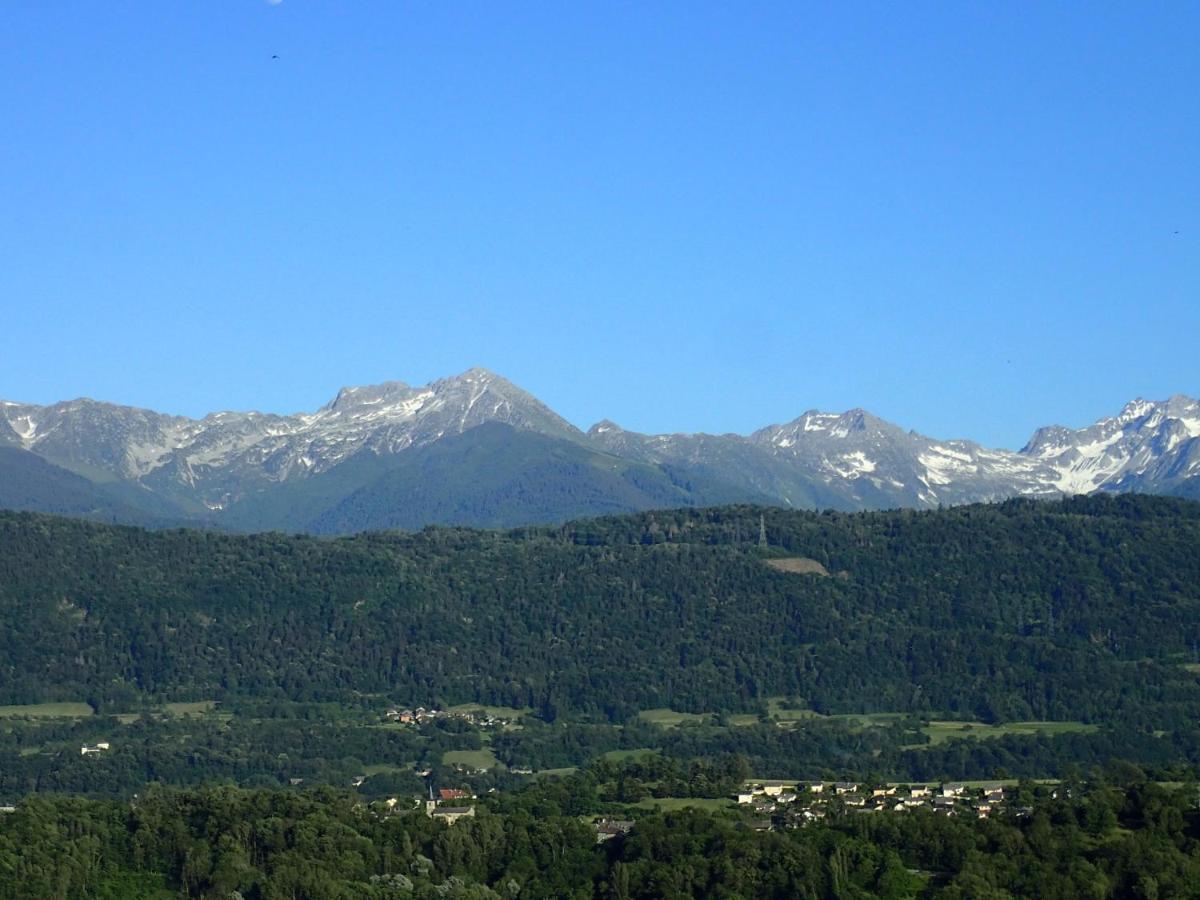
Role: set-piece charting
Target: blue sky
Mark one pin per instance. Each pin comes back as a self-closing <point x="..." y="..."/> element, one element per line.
<point x="969" y="218"/>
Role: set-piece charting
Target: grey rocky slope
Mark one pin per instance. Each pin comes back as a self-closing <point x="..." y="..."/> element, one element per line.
<point x="211" y="462"/>
<point x="230" y="467"/>
<point x="860" y="461"/>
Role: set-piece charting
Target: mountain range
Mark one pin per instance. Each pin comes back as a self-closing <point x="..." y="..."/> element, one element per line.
<point x="476" y="449"/>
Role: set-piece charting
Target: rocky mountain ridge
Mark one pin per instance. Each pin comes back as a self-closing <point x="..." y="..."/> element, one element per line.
<point x="204" y="467"/>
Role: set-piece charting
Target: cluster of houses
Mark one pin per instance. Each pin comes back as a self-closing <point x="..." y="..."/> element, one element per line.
<point x="788" y="804"/>
<point x="419" y="716"/>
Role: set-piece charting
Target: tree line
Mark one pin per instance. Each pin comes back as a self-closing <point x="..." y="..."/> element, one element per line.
<point x="1104" y="837"/>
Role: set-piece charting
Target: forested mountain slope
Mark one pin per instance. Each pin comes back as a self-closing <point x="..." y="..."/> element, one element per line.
<point x="1081" y="609"/>
<point x="28" y="482"/>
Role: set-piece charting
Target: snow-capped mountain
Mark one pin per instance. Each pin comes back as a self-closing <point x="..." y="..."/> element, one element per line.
<point x="861" y="461"/>
<point x="875" y="458"/>
<point x="851" y="460"/>
<point x="242" y="461"/>
<point x="1150" y="446"/>
<point x="221" y="457"/>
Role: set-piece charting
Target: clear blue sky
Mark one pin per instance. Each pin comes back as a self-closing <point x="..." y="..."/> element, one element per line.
<point x="691" y="216"/>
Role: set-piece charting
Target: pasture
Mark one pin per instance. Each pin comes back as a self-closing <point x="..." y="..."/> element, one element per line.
<point x="941" y="731"/>
<point x="47" y="711"/>
<point x="471" y="759"/>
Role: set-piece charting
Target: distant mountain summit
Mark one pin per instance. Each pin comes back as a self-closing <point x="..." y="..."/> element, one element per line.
<point x="215" y="461"/>
<point x="392" y="454"/>
<point x="1151" y="447"/>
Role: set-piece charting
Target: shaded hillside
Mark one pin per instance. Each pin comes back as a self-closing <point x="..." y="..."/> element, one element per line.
<point x="1085" y="609"/>
<point x="491" y="476"/>
<point x="30" y="483"/>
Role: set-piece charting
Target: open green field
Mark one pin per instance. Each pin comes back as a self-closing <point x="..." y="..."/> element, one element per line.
<point x="623" y="755"/>
<point x="867" y="720"/>
<point x="669" y="718"/>
<point x="669" y="803"/>
<point x="742" y="720"/>
<point x="47" y="711"/>
<point x="193" y="708"/>
<point x="556" y="773"/>
<point x="938" y="730"/>
<point x="778" y="709"/>
<point x="80" y="710"/>
<point x="383" y="769"/>
<point x="941" y="731"/>
<point x="797" y="565"/>
<point x="474" y="759"/>
<point x="500" y="712"/>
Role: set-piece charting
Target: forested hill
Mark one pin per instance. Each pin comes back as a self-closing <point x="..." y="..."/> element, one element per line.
<point x="1081" y="609"/>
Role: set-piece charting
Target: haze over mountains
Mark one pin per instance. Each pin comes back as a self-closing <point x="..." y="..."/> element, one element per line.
<point x="476" y="449"/>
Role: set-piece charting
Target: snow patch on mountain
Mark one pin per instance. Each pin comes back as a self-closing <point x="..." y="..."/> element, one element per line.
<point x="852" y="465"/>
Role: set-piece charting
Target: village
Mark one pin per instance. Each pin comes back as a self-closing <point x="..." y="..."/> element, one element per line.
<point x="479" y="717"/>
<point x="791" y="804"/>
<point x="766" y="805"/>
<point x="772" y="804"/>
<point x="777" y="805"/>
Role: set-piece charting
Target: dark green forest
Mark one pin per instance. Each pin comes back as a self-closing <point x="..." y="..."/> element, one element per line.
<point x="1095" y="839"/>
<point x="1084" y="609"/>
